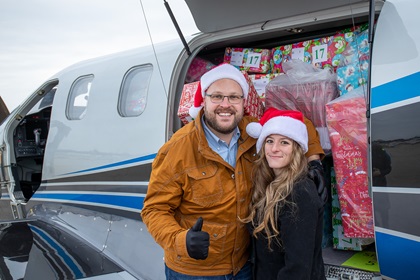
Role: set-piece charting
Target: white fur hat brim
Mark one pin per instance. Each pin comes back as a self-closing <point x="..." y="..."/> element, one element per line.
<point x="283" y="125"/>
<point x="224" y="71"/>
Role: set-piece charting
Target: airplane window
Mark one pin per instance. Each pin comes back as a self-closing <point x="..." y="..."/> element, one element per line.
<point x="78" y="98"/>
<point x="133" y="94"/>
<point x="47" y="100"/>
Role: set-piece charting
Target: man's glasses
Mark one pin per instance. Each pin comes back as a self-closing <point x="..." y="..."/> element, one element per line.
<point x="218" y="98"/>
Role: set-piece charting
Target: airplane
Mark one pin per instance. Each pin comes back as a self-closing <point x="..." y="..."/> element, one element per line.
<point x="76" y="155"/>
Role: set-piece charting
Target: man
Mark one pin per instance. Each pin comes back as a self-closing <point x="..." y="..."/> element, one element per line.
<point x="201" y="183"/>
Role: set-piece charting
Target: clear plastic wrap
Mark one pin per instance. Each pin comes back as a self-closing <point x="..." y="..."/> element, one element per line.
<point x="306" y="89"/>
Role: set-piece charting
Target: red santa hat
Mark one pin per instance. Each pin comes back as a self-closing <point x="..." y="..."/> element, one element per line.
<point x="223" y="71"/>
<point x="284" y="122"/>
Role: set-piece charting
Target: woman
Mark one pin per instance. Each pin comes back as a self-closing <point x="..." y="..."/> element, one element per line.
<point x="286" y="213"/>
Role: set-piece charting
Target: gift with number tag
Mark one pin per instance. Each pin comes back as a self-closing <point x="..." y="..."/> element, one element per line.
<point x="260" y="81"/>
<point x="248" y="59"/>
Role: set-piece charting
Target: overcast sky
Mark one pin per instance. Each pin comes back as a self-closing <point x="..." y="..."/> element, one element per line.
<point x="40" y="37"/>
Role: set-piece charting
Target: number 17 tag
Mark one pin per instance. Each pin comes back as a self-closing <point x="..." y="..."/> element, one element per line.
<point x="253" y="60"/>
<point x="320" y="53"/>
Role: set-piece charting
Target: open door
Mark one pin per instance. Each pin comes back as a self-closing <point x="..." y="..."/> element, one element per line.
<point x="395" y="138"/>
<point x="232" y="14"/>
<point x="4" y="112"/>
<point x="23" y="136"/>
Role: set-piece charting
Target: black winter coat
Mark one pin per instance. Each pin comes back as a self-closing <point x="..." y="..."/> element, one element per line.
<point x="300" y="256"/>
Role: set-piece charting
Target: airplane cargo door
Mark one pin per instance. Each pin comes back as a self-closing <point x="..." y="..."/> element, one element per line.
<point x="395" y="138"/>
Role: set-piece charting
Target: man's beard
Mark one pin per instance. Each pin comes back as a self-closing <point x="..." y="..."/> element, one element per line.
<point x="210" y="119"/>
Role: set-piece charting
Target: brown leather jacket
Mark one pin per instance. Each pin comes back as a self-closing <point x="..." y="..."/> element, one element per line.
<point x="189" y="180"/>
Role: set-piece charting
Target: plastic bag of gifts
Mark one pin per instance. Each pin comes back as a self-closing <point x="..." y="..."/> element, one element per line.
<point x="347" y="126"/>
<point x="306" y="89"/>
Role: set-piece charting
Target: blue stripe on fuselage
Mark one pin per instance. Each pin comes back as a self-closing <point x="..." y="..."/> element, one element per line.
<point x="121" y="163"/>
<point x="134" y="202"/>
<point x="395" y="91"/>
<point x="398" y="257"/>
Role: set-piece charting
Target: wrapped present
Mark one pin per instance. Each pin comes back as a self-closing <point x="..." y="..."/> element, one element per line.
<point x="198" y="67"/>
<point x="352" y="76"/>
<point x="353" y="69"/>
<point x="354" y="30"/>
<point x="278" y="56"/>
<point x="325" y="52"/>
<point x="340" y="241"/>
<point x="305" y="89"/>
<point x="282" y="54"/>
<point x="347" y="127"/>
<point x="322" y="53"/>
<point x="253" y="105"/>
<point x="187" y="101"/>
<point x="248" y="59"/>
<point x="260" y="81"/>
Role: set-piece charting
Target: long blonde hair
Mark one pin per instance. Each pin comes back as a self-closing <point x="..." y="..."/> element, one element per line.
<point x="271" y="191"/>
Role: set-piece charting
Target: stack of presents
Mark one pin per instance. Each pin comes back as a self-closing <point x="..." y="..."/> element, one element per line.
<point x="325" y="79"/>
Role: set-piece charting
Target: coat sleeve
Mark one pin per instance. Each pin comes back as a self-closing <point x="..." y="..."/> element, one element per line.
<point x="163" y="196"/>
<point x="314" y="143"/>
<point x="298" y="233"/>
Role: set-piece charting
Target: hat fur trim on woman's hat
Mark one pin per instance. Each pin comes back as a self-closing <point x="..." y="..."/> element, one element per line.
<point x="284" y="122"/>
<point x="223" y="71"/>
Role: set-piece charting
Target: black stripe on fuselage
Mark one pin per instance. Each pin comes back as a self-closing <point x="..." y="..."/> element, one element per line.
<point x="97" y="187"/>
<point x="397" y="211"/>
<point x="128" y="174"/>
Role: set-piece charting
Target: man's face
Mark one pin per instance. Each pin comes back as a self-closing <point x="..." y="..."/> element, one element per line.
<point x="222" y="118"/>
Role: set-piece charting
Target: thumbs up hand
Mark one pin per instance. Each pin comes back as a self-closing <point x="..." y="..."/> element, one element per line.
<point x="198" y="241"/>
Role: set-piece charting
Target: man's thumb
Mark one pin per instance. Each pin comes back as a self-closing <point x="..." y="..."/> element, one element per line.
<point x="198" y="225"/>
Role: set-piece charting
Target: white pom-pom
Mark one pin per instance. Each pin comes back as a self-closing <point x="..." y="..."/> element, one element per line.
<point x="193" y="111"/>
<point x="254" y="129"/>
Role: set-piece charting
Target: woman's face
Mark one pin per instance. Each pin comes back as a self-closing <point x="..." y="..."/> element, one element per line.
<point x="278" y="151"/>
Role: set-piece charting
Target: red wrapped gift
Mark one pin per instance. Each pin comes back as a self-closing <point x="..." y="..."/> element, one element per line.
<point x="253" y="104"/>
<point x="347" y="125"/>
<point x="187" y="100"/>
<point x="197" y="68"/>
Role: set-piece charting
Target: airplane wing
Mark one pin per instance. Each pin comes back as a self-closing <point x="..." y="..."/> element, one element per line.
<point x="33" y="249"/>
